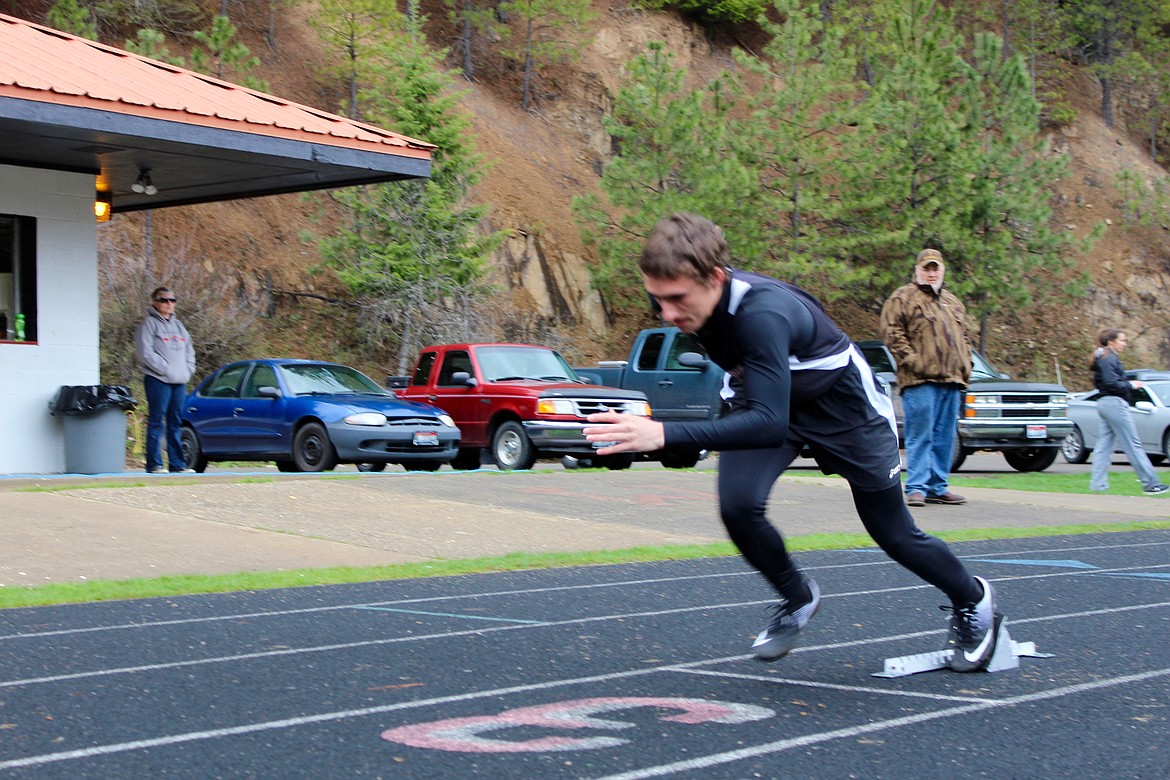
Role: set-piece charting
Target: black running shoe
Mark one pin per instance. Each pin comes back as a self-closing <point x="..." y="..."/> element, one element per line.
<point x="778" y="639"/>
<point x="972" y="635"/>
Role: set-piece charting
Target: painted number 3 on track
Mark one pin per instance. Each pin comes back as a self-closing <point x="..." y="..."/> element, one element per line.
<point x="475" y="734"/>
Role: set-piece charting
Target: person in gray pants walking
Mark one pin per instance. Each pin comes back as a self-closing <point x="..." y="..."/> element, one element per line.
<point x="1116" y="420"/>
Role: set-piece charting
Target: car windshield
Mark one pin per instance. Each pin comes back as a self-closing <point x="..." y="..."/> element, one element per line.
<point x="498" y="363"/>
<point x="981" y="369"/>
<point x="321" y="379"/>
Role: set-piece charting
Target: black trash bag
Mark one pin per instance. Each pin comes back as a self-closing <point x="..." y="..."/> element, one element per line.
<point x="87" y="399"/>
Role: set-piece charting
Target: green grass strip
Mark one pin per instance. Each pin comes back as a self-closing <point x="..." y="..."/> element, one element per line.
<point x="1121" y="483"/>
<point x="184" y="585"/>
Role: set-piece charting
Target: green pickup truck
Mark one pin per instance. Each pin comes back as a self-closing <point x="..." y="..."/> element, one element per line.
<point x="672" y="369"/>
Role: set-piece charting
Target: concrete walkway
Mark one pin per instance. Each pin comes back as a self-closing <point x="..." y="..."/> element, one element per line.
<point x="70" y="528"/>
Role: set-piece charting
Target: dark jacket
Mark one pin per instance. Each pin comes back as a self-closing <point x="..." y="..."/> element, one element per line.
<point x="780" y="349"/>
<point x="1109" y="375"/>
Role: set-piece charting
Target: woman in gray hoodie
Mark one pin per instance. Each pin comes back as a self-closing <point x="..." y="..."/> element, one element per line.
<point x="168" y="360"/>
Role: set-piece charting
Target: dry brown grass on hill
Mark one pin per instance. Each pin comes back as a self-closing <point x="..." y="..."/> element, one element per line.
<point x="540" y="159"/>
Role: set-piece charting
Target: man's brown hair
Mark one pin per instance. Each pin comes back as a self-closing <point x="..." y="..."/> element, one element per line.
<point x="684" y="245"/>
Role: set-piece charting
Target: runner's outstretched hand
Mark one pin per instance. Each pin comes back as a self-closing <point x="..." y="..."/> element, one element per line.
<point x="626" y="432"/>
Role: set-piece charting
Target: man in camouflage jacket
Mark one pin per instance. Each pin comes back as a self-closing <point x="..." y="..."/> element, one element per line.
<point x="925" y="327"/>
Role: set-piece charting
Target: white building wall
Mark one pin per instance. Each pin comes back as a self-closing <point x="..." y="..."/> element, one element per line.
<point x="66" y="351"/>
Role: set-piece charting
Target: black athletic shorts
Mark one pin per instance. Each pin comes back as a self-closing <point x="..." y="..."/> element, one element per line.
<point x="850" y="430"/>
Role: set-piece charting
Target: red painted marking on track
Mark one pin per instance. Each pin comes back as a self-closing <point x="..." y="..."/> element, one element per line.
<point x="468" y="735"/>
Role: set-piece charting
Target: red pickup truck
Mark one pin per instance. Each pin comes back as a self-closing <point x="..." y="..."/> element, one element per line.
<point x="518" y="401"/>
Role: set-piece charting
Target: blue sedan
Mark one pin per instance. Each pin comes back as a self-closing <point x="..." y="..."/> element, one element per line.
<point x="309" y="416"/>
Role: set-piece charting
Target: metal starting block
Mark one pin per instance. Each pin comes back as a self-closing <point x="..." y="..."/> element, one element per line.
<point x="1006" y="656"/>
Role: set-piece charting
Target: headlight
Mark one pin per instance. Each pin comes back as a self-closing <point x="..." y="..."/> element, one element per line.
<point x="1059" y="398"/>
<point x="555" y="406"/>
<point x="372" y="419"/>
<point x="972" y="399"/>
<point x="446" y="420"/>
<point x="639" y="408"/>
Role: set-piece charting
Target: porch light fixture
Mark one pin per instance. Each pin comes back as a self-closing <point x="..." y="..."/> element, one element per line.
<point x="144" y="186"/>
<point x="101" y="206"/>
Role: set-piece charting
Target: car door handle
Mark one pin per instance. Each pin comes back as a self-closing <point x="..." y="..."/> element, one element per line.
<point x="238" y="410"/>
<point x="432" y="398"/>
<point x="665" y="383"/>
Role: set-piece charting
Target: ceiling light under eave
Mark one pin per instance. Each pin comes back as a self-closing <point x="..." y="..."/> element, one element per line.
<point x="143" y="185"/>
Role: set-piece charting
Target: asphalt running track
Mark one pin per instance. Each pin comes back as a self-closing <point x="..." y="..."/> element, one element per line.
<point x="624" y="671"/>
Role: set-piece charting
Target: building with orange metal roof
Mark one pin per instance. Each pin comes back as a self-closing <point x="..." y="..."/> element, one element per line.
<point x="83" y="126"/>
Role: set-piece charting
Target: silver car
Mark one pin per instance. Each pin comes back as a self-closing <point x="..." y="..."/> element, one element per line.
<point x="1151" y="417"/>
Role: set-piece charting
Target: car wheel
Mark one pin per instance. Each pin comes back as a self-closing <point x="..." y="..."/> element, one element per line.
<point x="1030" y="458"/>
<point x="312" y="450"/>
<point x="192" y="452"/>
<point x="285" y="466"/>
<point x="371" y="467"/>
<point x="512" y="450"/>
<point x="1073" y="447"/>
<point x="423" y="465"/>
<point x="467" y="459"/>
<point x="615" y="462"/>
<point x="958" y="453"/>
<point x="679" y="459"/>
<point x="1166" y="445"/>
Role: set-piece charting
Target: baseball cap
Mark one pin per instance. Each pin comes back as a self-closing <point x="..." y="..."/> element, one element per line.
<point x="928" y="256"/>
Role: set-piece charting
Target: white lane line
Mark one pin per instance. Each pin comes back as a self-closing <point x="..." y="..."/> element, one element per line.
<point x="352" y="645"/>
<point x="512" y="627"/>
<point x="834" y="686"/>
<point x="550" y="624"/>
<point x="527" y="591"/>
<point x="780" y="746"/>
<point x="251" y="728"/>
<point x="720" y="758"/>
<point x="455" y="615"/>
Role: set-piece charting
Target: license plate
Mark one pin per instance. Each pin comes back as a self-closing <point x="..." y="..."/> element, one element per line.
<point x="425" y="439"/>
<point x="1037" y="431"/>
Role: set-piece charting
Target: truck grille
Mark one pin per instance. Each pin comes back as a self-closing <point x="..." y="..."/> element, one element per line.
<point x="593" y="406"/>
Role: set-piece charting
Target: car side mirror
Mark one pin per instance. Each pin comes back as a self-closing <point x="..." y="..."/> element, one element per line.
<point x="693" y="360"/>
<point x="1145" y="406"/>
<point x="267" y="391"/>
<point x="463" y="378"/>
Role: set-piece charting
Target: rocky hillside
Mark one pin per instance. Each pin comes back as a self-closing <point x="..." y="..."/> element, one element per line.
<point x="542" y="158"/>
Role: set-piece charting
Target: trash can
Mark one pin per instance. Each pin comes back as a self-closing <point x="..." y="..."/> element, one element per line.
<point x="94" y="418"/>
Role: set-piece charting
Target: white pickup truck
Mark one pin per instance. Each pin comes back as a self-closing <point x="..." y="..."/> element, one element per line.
<point x="1026" y="421"/>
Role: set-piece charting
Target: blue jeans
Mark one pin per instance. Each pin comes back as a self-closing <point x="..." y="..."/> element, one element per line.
<point x="164" y="403"/>
<point x="1117" y="428"/>
<point x="930" y="416"/>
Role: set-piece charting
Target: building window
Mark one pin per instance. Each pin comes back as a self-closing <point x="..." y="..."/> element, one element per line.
<point x="18" y="276"/>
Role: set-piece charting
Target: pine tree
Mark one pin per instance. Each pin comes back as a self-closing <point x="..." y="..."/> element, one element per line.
<point x="901" y="184"/>
<point x="355" y="30"/>
<point x="799" y="112"/>
<point x="413" y="252"/>
<point x="152" y="43"/>
<point x="221" y="55"/>
<point x="548" y="34"/>
<point x="72" y="17"/>
<point x="1008" y="249"/>
<point x="676" y="151"/>
<point x="472" y="17"/>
